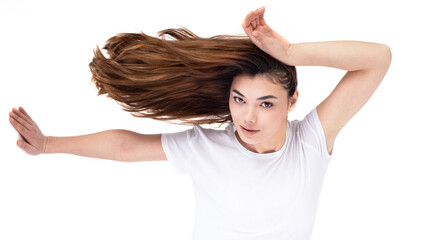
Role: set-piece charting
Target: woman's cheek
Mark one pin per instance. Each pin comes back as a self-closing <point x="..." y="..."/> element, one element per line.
<point x="234" y="111"/>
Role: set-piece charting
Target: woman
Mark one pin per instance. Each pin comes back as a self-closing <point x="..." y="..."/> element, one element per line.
<point x="261" y="177"/>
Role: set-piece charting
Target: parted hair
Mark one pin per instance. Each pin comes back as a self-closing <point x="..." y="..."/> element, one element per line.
<point x="182" y="80"/>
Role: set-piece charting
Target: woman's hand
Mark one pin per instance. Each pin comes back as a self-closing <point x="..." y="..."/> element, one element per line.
<point x="35" y="142"/>
<point x="264" y="37"/>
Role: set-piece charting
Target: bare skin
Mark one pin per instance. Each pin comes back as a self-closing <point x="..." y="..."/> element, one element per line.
<point x="366" y="64"/>
<point x="35" y="142"/>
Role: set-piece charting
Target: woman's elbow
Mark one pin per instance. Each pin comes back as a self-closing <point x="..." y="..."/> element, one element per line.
<point x="387" y="55"/>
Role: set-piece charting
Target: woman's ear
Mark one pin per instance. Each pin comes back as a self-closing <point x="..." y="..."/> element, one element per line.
<point x="293" y="100"/>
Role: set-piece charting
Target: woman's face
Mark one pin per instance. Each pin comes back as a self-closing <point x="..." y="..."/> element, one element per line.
<point x="259" y="104"/>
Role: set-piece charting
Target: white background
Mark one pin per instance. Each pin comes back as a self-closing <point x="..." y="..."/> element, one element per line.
<point x="387" y="178"/>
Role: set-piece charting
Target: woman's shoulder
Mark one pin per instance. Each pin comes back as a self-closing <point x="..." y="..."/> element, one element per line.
<point x="309" y="121"/>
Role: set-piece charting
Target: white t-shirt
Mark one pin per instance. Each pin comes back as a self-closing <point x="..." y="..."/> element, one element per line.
<point x="245" y="195"/>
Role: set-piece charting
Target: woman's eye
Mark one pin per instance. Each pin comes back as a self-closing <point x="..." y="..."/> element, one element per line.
<point x="265" y="104"/>
<point x="269" y="105"/>
<point x="236" y="99"/>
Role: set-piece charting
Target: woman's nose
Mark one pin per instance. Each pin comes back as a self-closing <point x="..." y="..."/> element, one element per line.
<point x="250" y="116"/>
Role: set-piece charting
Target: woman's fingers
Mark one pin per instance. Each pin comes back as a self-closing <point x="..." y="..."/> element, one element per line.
<point x="253" y="25"/>
<point x="25" y="113"/>
<point x="29" y="148"/>
<point x="261" y="20"/>
<point x="259" y="17"/>
<point x="26" y="121"/>
<point x="19" y="123"/>
<point x="23" y="127"/>
<point x="253" y="20"/>
<point x="247" y="22"/>
<point x="33" y="140"/>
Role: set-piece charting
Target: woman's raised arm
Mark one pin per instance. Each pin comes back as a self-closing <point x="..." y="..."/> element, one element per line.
<point x="366" y="63"/>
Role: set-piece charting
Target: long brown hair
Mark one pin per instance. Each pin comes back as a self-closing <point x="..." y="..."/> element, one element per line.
<point x="187" y="78"/>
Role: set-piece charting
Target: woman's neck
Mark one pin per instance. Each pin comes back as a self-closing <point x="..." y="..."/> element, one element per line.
<point x="273" y="145"/>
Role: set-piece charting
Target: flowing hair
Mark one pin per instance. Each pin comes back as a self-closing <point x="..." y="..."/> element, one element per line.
<point x="187" y="78"/>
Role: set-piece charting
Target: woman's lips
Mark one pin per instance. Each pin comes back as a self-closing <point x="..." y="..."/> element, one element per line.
<point x="246" y="128"/>
<point x="249" y="132"/>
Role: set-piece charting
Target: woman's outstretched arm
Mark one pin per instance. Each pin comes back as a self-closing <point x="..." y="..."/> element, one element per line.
<point x="366" y="63"/>
<point x="106" y="144"/>
<point x="116" y="144"/>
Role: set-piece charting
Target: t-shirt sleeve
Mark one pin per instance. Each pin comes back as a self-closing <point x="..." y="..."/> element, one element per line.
<point x="177" y="147"/>
<point x="312" y="134"/>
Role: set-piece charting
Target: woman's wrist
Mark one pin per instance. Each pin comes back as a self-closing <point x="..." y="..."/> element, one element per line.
<point x="45" y="146"/>
<point x="289" y="55"/>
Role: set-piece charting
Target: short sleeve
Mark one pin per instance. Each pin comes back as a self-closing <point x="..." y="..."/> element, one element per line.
<point x="312" y="134"/>
<point x="177" y="148"/>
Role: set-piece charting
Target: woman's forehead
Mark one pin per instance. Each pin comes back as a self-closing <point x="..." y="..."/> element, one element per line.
<point x="256" y="86"/>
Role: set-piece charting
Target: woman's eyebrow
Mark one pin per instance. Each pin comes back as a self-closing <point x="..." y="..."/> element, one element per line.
<point x="260" y="98"/>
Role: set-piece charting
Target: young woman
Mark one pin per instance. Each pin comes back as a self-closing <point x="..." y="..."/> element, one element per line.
<point x="261" y="177"/>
